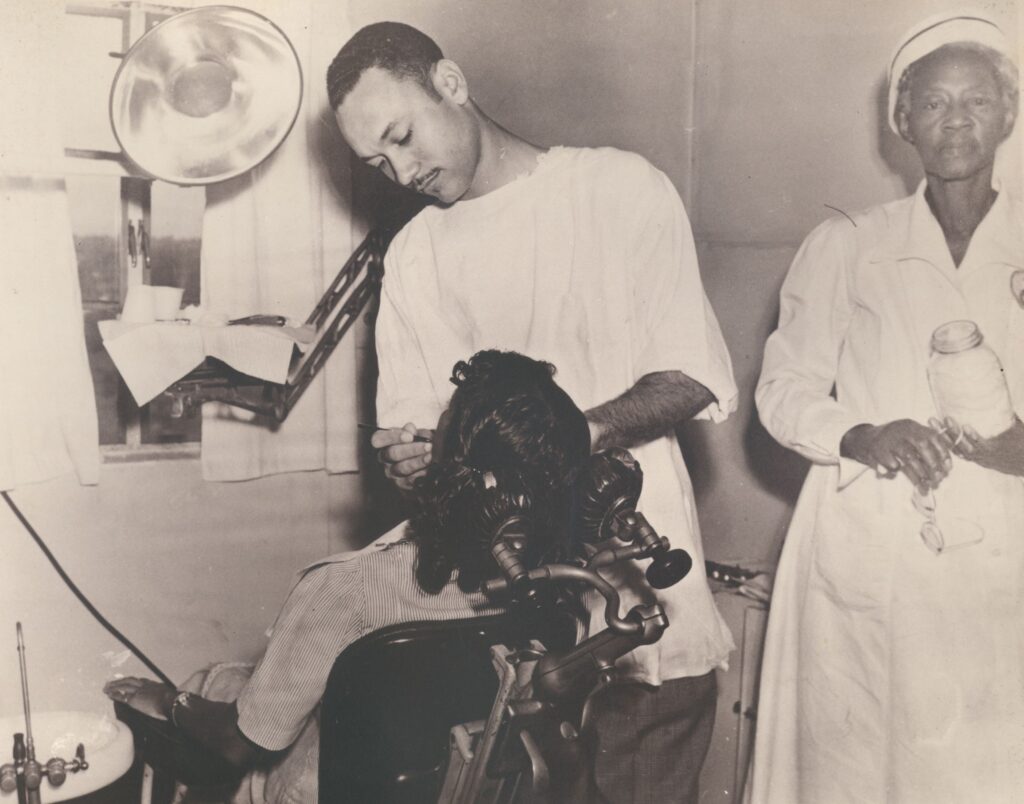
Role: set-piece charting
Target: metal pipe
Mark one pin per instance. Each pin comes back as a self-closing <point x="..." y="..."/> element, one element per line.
<point x="29" y="742"/>
<point x="31" y="771"/>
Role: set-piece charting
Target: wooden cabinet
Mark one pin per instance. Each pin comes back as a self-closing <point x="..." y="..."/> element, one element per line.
<point x="726" y="766"/>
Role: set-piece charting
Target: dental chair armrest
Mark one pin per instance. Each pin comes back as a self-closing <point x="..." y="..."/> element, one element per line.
<point x="165" y="747"/>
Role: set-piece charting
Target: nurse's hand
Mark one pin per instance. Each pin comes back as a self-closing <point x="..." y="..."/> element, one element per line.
<point x="1003" y="453"/>
<point x="149" y="697"/>
<point x="919" y="452"/>
<point x="405" y="459"/>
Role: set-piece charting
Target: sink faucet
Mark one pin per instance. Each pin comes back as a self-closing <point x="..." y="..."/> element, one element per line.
<point x="25" y="774"/>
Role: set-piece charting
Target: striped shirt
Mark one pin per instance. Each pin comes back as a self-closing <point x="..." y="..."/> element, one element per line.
<point x="336" y="601"/>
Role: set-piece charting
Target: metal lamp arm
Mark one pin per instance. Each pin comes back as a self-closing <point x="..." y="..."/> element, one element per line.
<point x="338" y="309"/>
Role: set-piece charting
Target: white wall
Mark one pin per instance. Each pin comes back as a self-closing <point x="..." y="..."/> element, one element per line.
<point x="790" y="112"/>
<point x="189" y="571"/>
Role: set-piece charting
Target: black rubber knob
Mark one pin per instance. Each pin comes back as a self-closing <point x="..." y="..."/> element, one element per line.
<point x="668" y="568"/>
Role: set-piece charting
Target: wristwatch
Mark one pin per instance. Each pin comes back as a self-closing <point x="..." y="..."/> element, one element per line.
<point x="181" y="699"/>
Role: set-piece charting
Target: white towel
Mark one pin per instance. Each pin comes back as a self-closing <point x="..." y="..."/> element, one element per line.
<point x="151" y="357"/>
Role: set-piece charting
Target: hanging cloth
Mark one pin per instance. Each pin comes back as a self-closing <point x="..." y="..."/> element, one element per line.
<point x="273" y="239"/>
<point x="48" y="423"/>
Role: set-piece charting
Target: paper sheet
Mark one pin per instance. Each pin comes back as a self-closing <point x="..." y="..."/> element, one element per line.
<point x="151" y="357"/>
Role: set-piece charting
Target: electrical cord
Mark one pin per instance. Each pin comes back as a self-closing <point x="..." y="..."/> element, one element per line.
<point x="81" y="597"/>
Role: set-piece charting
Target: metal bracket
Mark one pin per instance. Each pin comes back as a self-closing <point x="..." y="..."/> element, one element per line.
<point x="352" y="289"/>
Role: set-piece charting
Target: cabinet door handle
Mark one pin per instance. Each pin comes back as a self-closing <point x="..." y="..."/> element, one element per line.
<point x="133" y="249"/>
<point x="144" y="244"/>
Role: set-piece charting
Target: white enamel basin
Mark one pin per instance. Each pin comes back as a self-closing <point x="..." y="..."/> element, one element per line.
<point x="108" y="749"/>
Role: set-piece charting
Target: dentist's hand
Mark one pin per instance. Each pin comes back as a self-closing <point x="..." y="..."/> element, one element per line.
<point x="404" y="458"/>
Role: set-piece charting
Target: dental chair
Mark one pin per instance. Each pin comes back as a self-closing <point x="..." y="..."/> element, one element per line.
<point x="489" y="709"/>
<point x="393" y="697"/>
<point x="492" y="709"/>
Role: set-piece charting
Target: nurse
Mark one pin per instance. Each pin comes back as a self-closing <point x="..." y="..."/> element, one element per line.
<point x="894" y="662"/>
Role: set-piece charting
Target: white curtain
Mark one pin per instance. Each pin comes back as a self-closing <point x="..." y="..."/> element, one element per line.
<point x="273" y="239"/>
<point x="1018" y="130"/>
<point x="48" y="423"/>
<point x="1010" y="157"/>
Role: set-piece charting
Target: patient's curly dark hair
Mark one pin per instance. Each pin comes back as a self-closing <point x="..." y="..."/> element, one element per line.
<point x="511" y="441"/>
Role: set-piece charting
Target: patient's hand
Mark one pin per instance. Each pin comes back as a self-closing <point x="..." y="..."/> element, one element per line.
<point x="148" y="697"/>
<point x="404" y="458"/>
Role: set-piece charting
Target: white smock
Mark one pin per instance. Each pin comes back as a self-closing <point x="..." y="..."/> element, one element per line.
<point x="891" y="674"/>
<point x="587" y="262"/>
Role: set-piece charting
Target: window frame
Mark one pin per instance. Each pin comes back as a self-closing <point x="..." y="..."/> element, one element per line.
<point x="135" y="193"/>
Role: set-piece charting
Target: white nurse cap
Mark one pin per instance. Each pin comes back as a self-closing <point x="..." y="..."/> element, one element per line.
<point x="964" y="25"/>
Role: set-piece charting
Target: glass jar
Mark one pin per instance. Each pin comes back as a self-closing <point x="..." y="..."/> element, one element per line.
<point x="967" y="379"/>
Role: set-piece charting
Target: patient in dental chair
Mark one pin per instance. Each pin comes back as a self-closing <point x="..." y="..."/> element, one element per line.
<point x="508" y="422"/>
